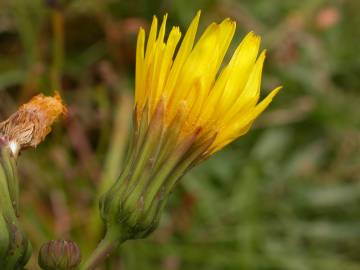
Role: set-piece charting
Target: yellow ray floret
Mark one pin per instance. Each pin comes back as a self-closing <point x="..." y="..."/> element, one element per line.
<point x="223" y="103"/>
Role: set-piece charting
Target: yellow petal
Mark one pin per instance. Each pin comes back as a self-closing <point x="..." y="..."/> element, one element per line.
<point x="202" y="65"/>
<point x="243" y="123"/>
<point x="250" y="95"/>
<point x="184" y="50"/>
<point x="162" y="29"/>
<point x="156" y="60"/>
<point x="139" y="73"/>
<point x="166" y="62"/>
<point x="264" y="103"/>
<point x="231" y="82"/>
<point x="152" y="36"/>
<point x="240" y="65"/>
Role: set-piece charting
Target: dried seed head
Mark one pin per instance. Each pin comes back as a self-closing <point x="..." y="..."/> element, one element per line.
<point x="32" y="122"/>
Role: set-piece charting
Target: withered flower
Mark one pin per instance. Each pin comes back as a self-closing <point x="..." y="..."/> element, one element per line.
<point x="32" y="122"/>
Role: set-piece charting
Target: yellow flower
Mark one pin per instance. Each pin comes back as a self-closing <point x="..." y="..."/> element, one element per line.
<point x="184" y="112"/>
<point x="219" y="105"/>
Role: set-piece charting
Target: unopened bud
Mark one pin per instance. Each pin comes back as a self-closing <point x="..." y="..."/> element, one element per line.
<point x="59" y="255"/>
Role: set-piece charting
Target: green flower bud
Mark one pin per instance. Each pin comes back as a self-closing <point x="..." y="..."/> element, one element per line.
<point x="59" y="255"/>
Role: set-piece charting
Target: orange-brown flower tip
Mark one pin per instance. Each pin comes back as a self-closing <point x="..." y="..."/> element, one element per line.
<point x="32" y="122"/>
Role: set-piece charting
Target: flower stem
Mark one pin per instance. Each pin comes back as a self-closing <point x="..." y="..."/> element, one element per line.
<point x="105" y="248"/>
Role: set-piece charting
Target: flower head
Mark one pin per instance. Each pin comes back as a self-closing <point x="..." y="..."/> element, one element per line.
<point x="204" y="101"/>
<point x="185" y="110"/>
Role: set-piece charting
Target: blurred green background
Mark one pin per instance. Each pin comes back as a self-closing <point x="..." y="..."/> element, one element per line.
<point x="285" y="196"/>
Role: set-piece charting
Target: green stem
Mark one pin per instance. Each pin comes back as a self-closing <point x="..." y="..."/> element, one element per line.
<point x="105" y="248"/>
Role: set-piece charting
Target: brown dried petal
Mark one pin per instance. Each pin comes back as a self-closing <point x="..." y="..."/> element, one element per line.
<point x="32" y="122"/>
